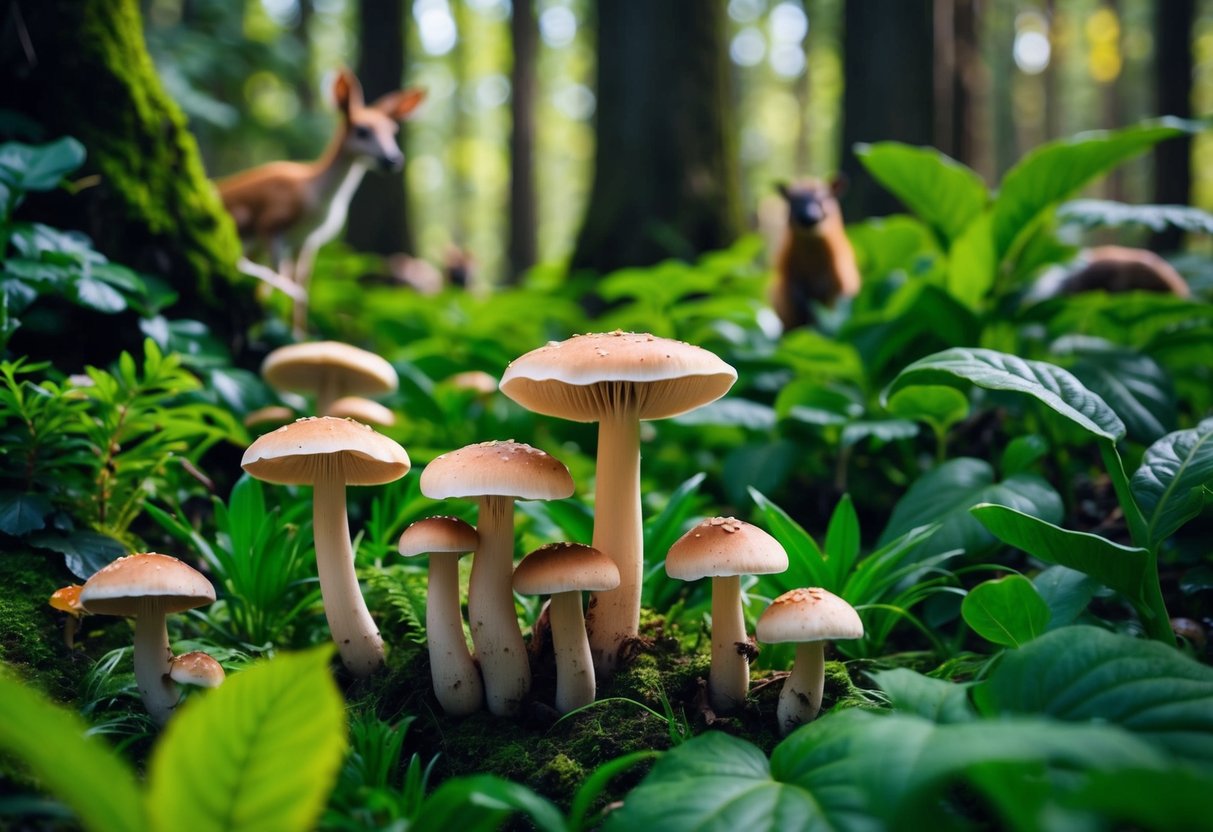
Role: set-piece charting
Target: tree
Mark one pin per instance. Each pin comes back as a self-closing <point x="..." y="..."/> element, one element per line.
<point x="666" y="177"/>
<point x="82" y="70"/>
<point x="523" y="245"/>
<point x="1173" y="85"/>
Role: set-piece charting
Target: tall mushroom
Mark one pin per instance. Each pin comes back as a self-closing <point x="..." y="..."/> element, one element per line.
<point x="147" y="587"/>
<point x="564" y="571"/>
<point x="456" y="680"/>
<point x="725" y="548"/>
<point x="330" y="454"/>
<point x="330" y="370"/>
<point x="807" y="617"/>
<point x="617" y="379"/>
<point x="497" y="473"/>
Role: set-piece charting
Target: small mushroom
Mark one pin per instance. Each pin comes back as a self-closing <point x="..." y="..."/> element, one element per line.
<point x="474" y="381"/>
<point x="274" y="415"/>
<point x="330" y="370"/>
<point x="807" y="617"/>
<point x="362" y="410"/>
<point x="196" y="669"/>
<point x="330" y="454"/>
<point x="147" y="587"/>
<point x="564" y="571"/>
<point x="724" y="549"/>
<point x="456" y="680"/>
<point x="67" y="599"/>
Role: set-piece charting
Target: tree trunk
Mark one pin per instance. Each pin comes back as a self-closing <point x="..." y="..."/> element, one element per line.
<point x="666" y="174"/>
<point x="1173" y="88"/>
<point x="378" y="219"/>
<point x="86" y="73"/>
<point x="888" y="85"/>
<point x="958" y="76"/>
<point x="523" y="243"/>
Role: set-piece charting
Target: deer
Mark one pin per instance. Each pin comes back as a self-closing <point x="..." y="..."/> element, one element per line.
<point x="815" y="262"/>
<point x="290" y="209"/>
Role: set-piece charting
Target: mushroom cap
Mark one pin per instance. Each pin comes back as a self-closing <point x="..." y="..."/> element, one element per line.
<point x="362" y="410"/>
<point x="132" y="583"/>
<point x="67" y="599"/>
<point x="274" y="414"/>
<point x="475" y="381"/>
<point x="811" y="614"/>
<point x="501" y="469"/>
<point x="197" y="669"/>
<point x="578" y="379"/>
<point x="565" y="567"/>
<point x="439" y="534"/>
<point x="724" y="546"/>
<point x="302" y="367"/>
<point x="296" y="453"/>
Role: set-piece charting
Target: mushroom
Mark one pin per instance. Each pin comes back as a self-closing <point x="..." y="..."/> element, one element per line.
<point x="196" y="669"/>
<point x="617" y="379"/>
<point x="275" y="415"/>
<point x="330" y="454"/>
<point x="564" y="570"/>
<point x="147" y="587"/>
<point x="456" y="679"/>
<point x="497" y="473"/>
<point x="474" y="381"/>
<point x="67" y="599"/>
<point x="329" y="369"/>
<point x="725" y="548"/>
<point x="362" y="410"/>
<point x="807" y="617"/>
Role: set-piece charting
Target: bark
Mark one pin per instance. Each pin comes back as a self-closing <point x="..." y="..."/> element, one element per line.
<point x="523" y="242"/>
<point x="1173" y="23"/>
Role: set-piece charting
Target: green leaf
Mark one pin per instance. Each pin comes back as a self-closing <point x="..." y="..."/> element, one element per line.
<point x="1169" y="485"/>
<point x="731" y="412"/>
<point x="1106" y="213"/>
<point x="592" y="787"/>
<point x="84" y="551"/>
<point x="22" y="513"/>
<point x="972" y="263"/>
<point x="935" y="699"/>
<point x="481" y="803"/>
<point x="259" y="753"/>
<point x="842" y="540"/>
<point x="1126" y="569"/>
<point x="81" y="771"/>
<point x="1056" y="170"/>
<point x="1022" y="452"/>
<point x="884" y="245"/>
<point x="97" y="295"/>
<point x="993" y="370"/>
<point x="806" y="564"/>
<point x="1067" y="592"/>
<point x="1084" y="674"/>
<point x="938" y="189"/>
<point x="1007" y="611"/>
<point x="39" y="167"/>
<point x="1174" y="800"/>
<point x="940" y="407"/>
<point x="881" y="430"/>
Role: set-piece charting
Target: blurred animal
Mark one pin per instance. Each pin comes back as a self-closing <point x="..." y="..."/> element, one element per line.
<point x="291" y="209"/>
<point x="815" y="262"/>
<point x="1122" y="269"/>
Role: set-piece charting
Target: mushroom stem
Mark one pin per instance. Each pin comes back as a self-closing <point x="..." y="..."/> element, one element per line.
<point x="327" y="392"/>
<point x="729" y="677"/>
<point x="575" y="684"/>
<point x="800" y="699"/>
<point x="614" y="615"/>
<point x="456" y="680"/>
<point x="495" y="633"/>
<point x="353" y="629"/>
<point x="152" y="664"/>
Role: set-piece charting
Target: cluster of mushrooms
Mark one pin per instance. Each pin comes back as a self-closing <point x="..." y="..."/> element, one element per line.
<point x="616" y="379"/>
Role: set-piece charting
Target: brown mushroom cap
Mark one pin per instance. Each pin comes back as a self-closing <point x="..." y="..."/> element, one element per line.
<point x="811" y="614"/>
<point x="438" y="534"/>
<point x="565" y="567"/>
<point x="362" y="410"/>
<point x="274" y="414"/>
<point x="301" y="367"/>
<point x="197" y="669"/>
<point x="502" y="469"/>
<point x="126" y="586"/>
<point x="724" y="546"/>
<point x="475" y="381"/>
<point x="67" y="599"/>
<point x="295" y="453"/>
<point x="575" y="379"/>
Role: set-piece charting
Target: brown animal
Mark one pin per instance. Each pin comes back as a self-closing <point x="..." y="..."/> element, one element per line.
<point x="290" y="209"/>
<point x="815" y="262"/>
<point x="1121" y="269"/>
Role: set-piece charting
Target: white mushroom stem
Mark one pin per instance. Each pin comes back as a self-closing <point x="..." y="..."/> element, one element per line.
<point x="353" y="629"/>
<point x="729" y="677"/>
<point x="504" y="663"/>
<point x="152" y="664"/>
<point x="456" y="679"/>
<point x="575" y="685"/>
<point x="800" y="699"/>
<point x="328" y="392"/>
<point x="614" y="615"/>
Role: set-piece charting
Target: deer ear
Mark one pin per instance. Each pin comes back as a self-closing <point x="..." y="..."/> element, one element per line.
<point x="347" y="92"/>
<point x="398" y="105"/>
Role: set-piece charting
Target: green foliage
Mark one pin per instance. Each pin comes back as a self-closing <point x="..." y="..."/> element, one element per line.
<point x="1007" y="611"/>
<point x="1104" y="213"/>
<point x="1172" y="483"/>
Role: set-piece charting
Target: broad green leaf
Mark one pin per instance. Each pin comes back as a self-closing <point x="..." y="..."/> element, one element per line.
<point x="935" y="699"/>
<point x="842" y="540"/>
<point x="1054" y="171"/>
<point x="1133" y="385"/>
<point x="259" y="753"/>
<point x="1007" y="611"/>
<point x="1126" y="569"/>
<point x="763" y="465"/>
<point x="1106" y="213"/>
<point x="1169" y="485"/>
<point x="881" y="430"/>
<point x="731" y="412"/>
<point x="97" y="295"/>
<point x="90" y="778"/>
<point x="807" y="565"/>
<point x="992" y="370"/>
<point x="1084" y="674"/>
<point x="1067" y="592"/>
<point x="917" y="320"/>
<point x="941" y="407"/>
<point x="1022" y="452"/>
<point x="1169" y="800"/>
<point x="39" y="167"/>
<point x="481" y="803"/>
<point x="84" y="551"/>
<point x="589" y="791"/>
<point x="938" y="189"/>
<point x="884" y="245"/>
<point x="972" y="263"/>
<point x="946" y="493"/>
<point x="22" y="513"/>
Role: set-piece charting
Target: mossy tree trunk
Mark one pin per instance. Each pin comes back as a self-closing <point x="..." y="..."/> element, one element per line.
<point x="80" y="68"/>
<point x="666" y="175"/>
